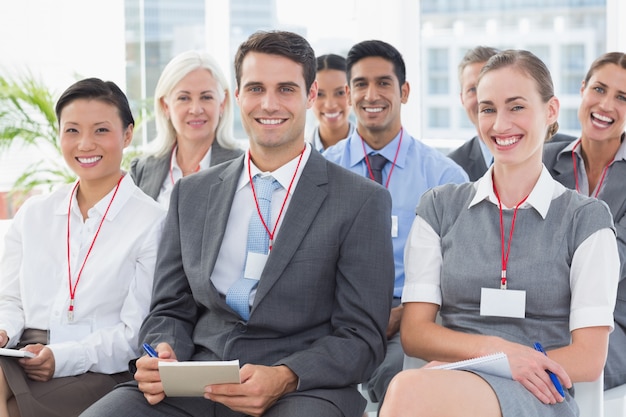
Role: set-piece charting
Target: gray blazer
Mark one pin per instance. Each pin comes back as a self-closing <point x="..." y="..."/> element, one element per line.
<point x="323" y="301"/>
<point x="470" y="157"/>
<point x="614" y="195"/>
<point x="149" y="172"/>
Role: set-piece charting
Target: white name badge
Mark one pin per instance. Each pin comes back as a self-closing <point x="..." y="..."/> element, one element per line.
<point x="503" y="303"/>
<point x="394" y="226"/>
<point x="255" y="263"/>
<point x="60" y="333"/>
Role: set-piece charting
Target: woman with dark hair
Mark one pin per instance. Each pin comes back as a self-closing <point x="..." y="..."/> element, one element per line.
<point x="76" y="275"/>
<point x="332" y="107"/>
<point x="595" y="165"/>
<point x="510" y="262"/>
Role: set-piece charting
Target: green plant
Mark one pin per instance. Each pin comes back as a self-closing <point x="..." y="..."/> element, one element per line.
<point x="27" y="118"/>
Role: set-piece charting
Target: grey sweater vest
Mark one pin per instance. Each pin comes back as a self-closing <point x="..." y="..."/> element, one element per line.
<point x="539" y="261"/>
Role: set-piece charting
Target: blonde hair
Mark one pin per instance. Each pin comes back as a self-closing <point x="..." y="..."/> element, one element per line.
<point x="172" y="74"/>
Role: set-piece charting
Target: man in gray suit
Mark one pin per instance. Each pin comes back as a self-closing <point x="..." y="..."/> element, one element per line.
<point x="317" y="319"/>
<point x="473" y="156"/>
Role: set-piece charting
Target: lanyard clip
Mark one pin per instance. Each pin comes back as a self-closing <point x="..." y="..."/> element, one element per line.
<point x="70" y="311"/>
<point x="503" y="280"/>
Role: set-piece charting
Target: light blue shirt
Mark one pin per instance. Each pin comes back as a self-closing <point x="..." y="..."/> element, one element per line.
<point x="317" y="141"/>
<point x="417" y="169"/>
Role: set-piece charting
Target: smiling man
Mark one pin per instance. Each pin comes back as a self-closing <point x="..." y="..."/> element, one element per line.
<point x="303" y="302"/>
<point x="382" y="150"/>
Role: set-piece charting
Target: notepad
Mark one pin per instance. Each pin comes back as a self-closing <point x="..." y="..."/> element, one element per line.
<point x="494" y="364"/>
<point x="188" y="379"/>
<point x="16" y="353"/>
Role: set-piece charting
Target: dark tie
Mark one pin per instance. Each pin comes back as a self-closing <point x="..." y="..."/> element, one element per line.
<point x="377" y="163"/>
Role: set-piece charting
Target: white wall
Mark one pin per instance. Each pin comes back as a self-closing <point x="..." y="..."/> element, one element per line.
<point x="64" y="40"/>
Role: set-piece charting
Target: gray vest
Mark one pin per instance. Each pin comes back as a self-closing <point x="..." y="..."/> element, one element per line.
<point x="539" y="261"/>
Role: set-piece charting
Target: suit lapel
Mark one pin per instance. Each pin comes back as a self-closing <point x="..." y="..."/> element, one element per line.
<point x="563" y="170"/>
<point x="613" y="192"/>
<point x="477" y="161"/>
<point x="304" y="206"/>
<point x="220" y="198"/>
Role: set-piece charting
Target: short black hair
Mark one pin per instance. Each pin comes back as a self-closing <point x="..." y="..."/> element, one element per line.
<point x="96" y="89"/>
<point x="376" y="48"/>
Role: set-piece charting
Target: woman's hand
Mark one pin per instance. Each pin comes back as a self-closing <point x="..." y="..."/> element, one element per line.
<point x="4" y="338"/>
<point x="41" y="367"/>
<point x="529" y="366"/>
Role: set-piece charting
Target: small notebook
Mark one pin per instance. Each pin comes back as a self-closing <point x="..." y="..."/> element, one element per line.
<point x="188" y="379"/>
<point x="16" y="353"/>
<point x="494" y="364"/>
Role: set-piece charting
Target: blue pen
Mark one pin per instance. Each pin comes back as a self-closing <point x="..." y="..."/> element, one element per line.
<point x="150" y="351"/>
<point x="553" y="377"/>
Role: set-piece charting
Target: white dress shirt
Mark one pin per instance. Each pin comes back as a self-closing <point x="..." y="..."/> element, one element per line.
<point x="113" y="294"/>
<point x="596" y="256"/>
<point x="231" y="259"/>
<point x="175" y="174"/>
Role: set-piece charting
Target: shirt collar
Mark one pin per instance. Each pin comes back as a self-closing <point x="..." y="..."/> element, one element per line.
<point x="620" y="155"/>
<point x="389" y="151"/>
<point x="283" y="175"/>
<point x="539" y="198"/>
<point x="127" y="186"/>
<point x="205" y="162"/>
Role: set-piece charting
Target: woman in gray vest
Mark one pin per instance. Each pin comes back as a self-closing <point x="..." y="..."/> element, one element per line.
<point x="509" y="262"/>
<point x="595" y="165"/>
<point x="194" y="120"/>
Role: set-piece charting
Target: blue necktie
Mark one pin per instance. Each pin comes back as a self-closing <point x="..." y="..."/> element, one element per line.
<point x="238" y="296"/>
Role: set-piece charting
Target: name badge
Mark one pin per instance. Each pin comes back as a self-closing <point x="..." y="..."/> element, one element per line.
<point x="74" y="332"/>
<point x="394" y="226"/>
<point x="255" y="263"/>
<point x="503" y="303"/>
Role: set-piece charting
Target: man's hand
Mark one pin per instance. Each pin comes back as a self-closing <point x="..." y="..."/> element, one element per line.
<point x="395" y="317"/>
<point x="261" y="386"/>
<point x="41" y="367"/>
<point x="147" y="375"/>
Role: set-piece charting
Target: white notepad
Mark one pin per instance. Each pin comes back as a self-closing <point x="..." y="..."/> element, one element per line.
<point x="16" y="353"/>
<point x="188" y="379"/>
<point x="494" y="364"/>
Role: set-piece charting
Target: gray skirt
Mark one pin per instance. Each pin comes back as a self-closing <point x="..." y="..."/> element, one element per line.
<point x="58" y="397"/>
<point x="517" y="401"/>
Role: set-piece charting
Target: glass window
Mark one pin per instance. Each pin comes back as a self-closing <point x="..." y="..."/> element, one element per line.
<point x="438" y="117"/>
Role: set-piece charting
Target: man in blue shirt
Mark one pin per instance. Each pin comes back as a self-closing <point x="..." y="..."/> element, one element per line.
<point x="377" y="89"/>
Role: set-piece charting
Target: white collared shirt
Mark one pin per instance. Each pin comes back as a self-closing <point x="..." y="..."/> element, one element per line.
<point x="423" y="257"/>
<point x="113" y="294"/>
<point x="175" y="173"/>
<point x="231" y="259"/>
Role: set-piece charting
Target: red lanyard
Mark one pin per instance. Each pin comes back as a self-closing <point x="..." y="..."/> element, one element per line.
<point x="505" y="257"/>
<point x="70" y="310"/>
<point x="172" y="166"/>
<point x="256" y="202"/>
<point x="599" y="186"/>
<point x="393" y="164"/>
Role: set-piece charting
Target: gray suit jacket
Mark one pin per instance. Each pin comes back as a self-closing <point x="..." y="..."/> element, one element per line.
<point x="470" y="157"/>
<point x="323" y="301"/>
<point x="614" y="195"/>
<point x="150" y="172"/>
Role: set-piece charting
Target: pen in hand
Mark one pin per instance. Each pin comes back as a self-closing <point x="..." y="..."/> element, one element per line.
<point x="553" y="377"/>
<point x="150" y="351"/>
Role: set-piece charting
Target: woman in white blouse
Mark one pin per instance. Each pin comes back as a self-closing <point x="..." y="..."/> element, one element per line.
<point x="76" y="275"/>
